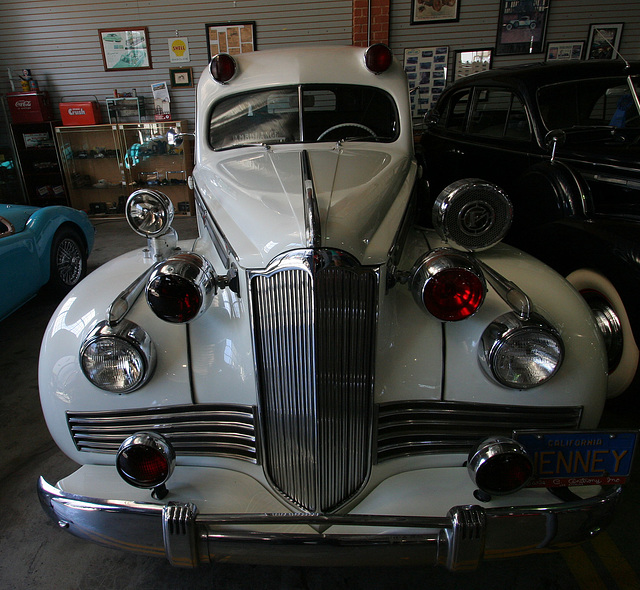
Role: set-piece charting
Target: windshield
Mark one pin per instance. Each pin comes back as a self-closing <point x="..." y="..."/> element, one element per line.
<point x="329" y="113"/>
<point x="588" y="103"/>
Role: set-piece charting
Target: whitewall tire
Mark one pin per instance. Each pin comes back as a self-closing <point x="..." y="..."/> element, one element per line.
<point x="604" y="300"/>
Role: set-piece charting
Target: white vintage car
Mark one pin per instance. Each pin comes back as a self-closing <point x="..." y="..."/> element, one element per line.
<point x="315" y="379"/>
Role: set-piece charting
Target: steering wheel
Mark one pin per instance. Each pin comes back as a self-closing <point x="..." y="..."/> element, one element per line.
<point x="369" y="131"/>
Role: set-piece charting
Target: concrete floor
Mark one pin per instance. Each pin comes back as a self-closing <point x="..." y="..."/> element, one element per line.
<point x="35" y="553"/>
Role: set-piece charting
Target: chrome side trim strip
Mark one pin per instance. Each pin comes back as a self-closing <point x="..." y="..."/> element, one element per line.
<point x="312" y="215"/>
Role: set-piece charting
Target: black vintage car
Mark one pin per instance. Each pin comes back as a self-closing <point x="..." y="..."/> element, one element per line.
<point x="563" y="140"/>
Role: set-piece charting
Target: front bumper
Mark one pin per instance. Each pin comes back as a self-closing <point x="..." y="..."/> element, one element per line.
<point x="458" y="541"/>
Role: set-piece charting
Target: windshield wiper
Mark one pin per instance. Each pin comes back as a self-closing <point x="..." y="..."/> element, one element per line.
<point x="234" y="146"/>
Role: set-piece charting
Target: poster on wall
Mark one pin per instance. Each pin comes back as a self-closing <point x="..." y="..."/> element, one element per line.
<point x="231" y="38"/>
<point x="434" y="11"/>
<point x="125" y="49"/>
<point x="179" y="50"/>
<point x="426" y="69"/>
<point x="471" y="61"/>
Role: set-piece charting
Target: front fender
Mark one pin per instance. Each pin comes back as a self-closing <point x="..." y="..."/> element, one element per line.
<point x="63" y="386"/>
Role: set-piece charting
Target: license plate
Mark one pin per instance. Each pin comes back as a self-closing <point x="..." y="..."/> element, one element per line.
<point x="579" y="458"/>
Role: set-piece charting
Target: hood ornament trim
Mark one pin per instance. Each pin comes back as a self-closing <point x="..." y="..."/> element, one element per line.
<point x="311" y="212"/>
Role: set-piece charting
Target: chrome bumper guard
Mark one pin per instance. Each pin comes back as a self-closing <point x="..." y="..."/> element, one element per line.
<point x="459" y="541"/>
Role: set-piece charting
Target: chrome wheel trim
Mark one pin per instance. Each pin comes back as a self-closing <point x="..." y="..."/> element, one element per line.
<point x="69" y="262"/>
<point x="613" y="322"/>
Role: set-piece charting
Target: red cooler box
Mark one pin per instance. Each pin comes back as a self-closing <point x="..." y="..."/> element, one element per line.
<point x="29" y="107"/>
<point x="80" y="113"/>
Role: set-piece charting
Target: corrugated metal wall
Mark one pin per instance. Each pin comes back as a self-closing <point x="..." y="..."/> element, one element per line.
<point x="568" y="20"/>
<point x="58" y="39"/>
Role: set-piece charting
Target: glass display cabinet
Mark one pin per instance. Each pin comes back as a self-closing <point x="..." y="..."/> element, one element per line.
<point x="103" y="164"/>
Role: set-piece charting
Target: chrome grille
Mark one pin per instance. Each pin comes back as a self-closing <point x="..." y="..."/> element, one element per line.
<point x="315" y="316"/>
<point x="410" y="428"/>
<point x="220" y="430"/>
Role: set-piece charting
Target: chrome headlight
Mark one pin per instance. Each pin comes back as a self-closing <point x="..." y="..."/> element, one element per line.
<point x="521" y="353"/>
<point x="149" y="213"/>
<point x="119" y="359"/>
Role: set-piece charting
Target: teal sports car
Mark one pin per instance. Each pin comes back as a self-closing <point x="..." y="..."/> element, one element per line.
<point x="38" y="247"/>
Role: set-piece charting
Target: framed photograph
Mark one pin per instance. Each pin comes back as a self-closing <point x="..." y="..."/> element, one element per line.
<point x="125" y="49"/>
<point x="181" y="77"/>
<point x="566" y="50"/>
<point x="424" y="12"/>
<point x="522" y="25"/>
<point x="471" y="61"/>
<point x="604" y="41"/>
<point x="231" y="38"/>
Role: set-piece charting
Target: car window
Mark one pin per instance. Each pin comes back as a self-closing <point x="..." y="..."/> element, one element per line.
<point x="498" y="113"/>
<point x="329" y="113"/>
<point x="583" y="103"/>
<point x="455" y="111"/>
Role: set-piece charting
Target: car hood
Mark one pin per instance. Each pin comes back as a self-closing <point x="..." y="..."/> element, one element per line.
<point x="256" y="198"/>
<point x="17" y="215"/>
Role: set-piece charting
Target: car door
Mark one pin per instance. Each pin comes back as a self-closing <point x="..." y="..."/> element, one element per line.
<point x="19" y="268"/>
<point x="485" y="132"/>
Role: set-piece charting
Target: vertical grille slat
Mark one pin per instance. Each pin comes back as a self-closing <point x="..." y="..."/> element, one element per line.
<point x="317" y="411"/>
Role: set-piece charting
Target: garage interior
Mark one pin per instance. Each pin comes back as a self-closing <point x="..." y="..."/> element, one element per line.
<point x="58" y="42"/>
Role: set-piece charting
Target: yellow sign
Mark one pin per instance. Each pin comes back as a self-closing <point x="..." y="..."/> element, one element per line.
<point x="179" y="50"/>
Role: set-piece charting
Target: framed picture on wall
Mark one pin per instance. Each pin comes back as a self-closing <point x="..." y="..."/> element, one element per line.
<point x="522" y="25"/>
<point x="566" y="50"/>
<point x="231" y="38"/>
<point x="426" y="69"/>
<point x="604" y="41"/>
<point x="471" y="61"/>
<point x="434" y="11"/>
<point x="181" y="77"/>
<point x="125" y="49"/>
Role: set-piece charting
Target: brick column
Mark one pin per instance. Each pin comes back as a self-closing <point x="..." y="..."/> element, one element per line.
<point x="379" y="31"/>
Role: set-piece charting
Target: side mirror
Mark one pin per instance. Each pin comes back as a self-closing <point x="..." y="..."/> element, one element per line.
<point x="553" y="139"/>
<point x="430" y="118"/>
<point x="177" y="139"/>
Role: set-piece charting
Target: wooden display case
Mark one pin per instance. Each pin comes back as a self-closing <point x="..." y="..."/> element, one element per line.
<point x="103" y="164"/>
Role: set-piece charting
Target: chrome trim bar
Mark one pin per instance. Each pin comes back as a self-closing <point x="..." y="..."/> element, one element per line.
<point x="459" y="541"/>
<point x="311" y="213"/>
<point x="508" y="291"/>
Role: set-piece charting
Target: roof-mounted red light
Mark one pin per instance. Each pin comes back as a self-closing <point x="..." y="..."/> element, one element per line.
<point x="448" y="284"/>
<point x="223" y="67"/>
<point x="378" y="58"/>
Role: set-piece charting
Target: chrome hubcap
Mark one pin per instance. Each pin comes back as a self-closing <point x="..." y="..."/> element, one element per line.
<point x="609" y="325"/>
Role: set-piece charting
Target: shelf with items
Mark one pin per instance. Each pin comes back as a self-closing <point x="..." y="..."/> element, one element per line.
<point x="125" y="109"/>
<point x="39" y="163"/>
<point x="103" y="164"/>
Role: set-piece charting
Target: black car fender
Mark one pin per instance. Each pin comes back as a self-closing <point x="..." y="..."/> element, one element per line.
<point x="547" y="192"/>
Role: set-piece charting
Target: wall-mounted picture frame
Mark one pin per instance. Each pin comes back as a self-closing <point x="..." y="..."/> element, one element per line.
<point x="522" y="26"/>
<point x="426" y="69"/>
<point x="424" y="12"/>
<point x="125" y="49"/>
<point x="565" y="50"/>
<point x="471" y="61"/>
<point x="604" y="41"/>
<point x="181" y="77"/>
<point x="231" y="38"/>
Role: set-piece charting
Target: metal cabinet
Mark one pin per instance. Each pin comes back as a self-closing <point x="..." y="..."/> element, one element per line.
<point x="103" y="164"/>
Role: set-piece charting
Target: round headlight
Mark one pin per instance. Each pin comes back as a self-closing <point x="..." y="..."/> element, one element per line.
<point x="118" y="359"/>
<point x="149" y="213"/>
<point x="521" y="353"/>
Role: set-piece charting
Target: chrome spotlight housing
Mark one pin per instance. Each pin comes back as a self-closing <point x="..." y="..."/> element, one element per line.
<point x="118" y="359"/>
<point x="181" y="288"/>
<point x="472" y="214"/>
<point x="520" y="353"/>
<point x="146" y="460"/>
<point x="149" y="213"/>
<point x="449" y="284"/>
<point x="499" y="465"/>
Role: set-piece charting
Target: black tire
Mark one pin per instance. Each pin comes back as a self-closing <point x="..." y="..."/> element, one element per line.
<point x="68" y="261"/>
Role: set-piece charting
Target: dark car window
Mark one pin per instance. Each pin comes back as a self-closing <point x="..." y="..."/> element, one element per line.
<point x="273" y="116"/>
<point x="592" y="102"/>
<point x="498" y="113"/>
<point x="455" y="111"/>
